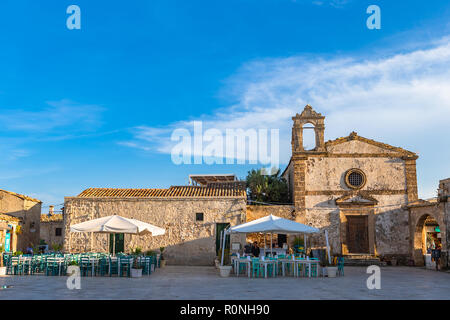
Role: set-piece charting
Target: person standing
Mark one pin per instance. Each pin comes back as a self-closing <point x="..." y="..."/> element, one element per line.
<point x="437" y="257"/>
<point x="255" y="249"/>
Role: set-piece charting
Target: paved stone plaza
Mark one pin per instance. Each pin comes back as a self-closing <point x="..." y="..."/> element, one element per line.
<point x="176" y="282"/>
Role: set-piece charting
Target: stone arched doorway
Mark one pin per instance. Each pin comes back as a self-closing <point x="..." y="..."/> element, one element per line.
<point x="427" y="234"/>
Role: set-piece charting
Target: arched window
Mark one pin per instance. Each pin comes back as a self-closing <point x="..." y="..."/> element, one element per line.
<point x="309" y="137"/>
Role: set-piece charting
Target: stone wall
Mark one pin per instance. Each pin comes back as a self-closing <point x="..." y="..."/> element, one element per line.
<point x="48" y="230"/>
<point x="186" y="241"/>
<point x="28" y="210"/>
<point x="255" y="212"/>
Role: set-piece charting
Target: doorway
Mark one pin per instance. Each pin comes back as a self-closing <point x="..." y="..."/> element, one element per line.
<point x="8" y="241"/>
<point x="120" y="243"/>
<point x="427" y="237"/>
<point x="281" y="239"/>
<point x="357" y="234"/>
<point x="219" y="228"/>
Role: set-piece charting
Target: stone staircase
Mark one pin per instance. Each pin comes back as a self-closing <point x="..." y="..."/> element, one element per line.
<point x="362" y="260"/>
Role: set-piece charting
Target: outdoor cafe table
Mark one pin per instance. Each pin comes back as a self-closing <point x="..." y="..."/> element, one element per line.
<point x="265" y="263"/>
<point x="238" y="261"/>
<point x="58" y="260"/>
<point x="296" y="262"/>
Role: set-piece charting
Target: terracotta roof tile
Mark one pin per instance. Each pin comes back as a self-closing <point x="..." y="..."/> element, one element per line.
<point x="21" y="196"/>
<point x="231" y="190"/>
<point x="7" y="217"/>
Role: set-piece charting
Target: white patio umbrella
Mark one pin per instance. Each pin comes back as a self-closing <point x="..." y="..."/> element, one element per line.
<point x="117" y="224"/>
<point x="270" y="224"/>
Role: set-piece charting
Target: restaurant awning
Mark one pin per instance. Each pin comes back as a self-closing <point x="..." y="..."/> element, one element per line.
<point x="117" y="224"/>
<point x="273" y="224"/>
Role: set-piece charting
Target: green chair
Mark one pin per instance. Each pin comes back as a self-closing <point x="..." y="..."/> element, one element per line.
<point x="340" y="264"/>
<point x="51" y="266"/>
<point x="13" y="266"/>
<point x="243" y="264"/>
<point x="313" y="269"/>
<point x="256" y="268"/>
<point x="146" y="264"/>
<point x="85" y="265"/>
<point x="125" y="264"/>
<point x="102" y="267"/>
<point x="113" y="267"/>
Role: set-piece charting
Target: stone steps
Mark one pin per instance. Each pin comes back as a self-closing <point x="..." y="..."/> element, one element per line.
<point x="362" y="260"/>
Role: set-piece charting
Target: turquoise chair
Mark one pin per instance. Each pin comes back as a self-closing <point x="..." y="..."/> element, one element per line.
<point x="243" y="264"/>
<point x="113" y="267"/>
<point x="102" y="267"/>
<point x="270" y="268"/>
<point x="85" y="266"/>
<point x="340" y="263"/>
<point x="51" y="266"/>
<point x="256" y="268"/>
<point x="301" y="268"/>
<point x="125" y="264"/>
<point x="146" y="264"/>
<point x="13" y="266"/>
<point x="313" y="268"/>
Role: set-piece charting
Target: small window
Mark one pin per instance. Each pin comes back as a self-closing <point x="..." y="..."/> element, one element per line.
<point x="58" y="232"/>
<point x="355" y="178"/>
<point x="199" y="216"/>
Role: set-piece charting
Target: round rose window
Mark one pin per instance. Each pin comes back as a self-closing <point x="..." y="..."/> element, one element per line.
<point x="355" y="178"/>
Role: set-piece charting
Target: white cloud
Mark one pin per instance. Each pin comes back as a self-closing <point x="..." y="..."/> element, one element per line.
<point x="57" y="115"/>
<point x="401" y="99"/>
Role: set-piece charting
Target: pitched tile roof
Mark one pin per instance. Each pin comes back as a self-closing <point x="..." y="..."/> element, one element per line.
<point x="21" y="196"/>
<point x="7" y="217"/>
<point x="229" y="190"/>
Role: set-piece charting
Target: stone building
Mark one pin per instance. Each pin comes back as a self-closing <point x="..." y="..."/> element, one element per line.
<point x="52" y="226"/>
<point x="430" y="225"/>
<point x="193" y="217"/>
<point x="354" y="187"/>
<point x="20" y="221"/>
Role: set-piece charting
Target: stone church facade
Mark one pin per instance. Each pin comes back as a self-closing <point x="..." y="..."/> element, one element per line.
<point x="354" y="187"/>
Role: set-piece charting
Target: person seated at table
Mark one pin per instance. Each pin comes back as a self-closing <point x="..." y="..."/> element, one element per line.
<point x="29" y="250"/>
<point x="248" y="248"/>
<point x="255" y="249"/>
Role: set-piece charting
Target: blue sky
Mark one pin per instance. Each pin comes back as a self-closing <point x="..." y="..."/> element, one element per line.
<point x="95" y="107"/>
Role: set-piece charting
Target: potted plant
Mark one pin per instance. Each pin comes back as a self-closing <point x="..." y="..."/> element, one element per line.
<point x="331" y="268"/>
<point x="162" y="262"/>
<point x="299" y="245"/>
<point x="225" y="270"/>
<point x="2" y="268"/>
<point x="393" y="261"/>
<point x="152" y="254"/>
<point x="136" y="269"/>
<point x="56" y="247"/>
<point x="216" y="263"/>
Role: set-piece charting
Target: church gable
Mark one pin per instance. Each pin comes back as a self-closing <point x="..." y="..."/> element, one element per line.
<point x="354" y="144"/>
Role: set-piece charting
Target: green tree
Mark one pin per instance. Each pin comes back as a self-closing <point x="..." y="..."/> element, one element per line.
<point x="264" y="187"/>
